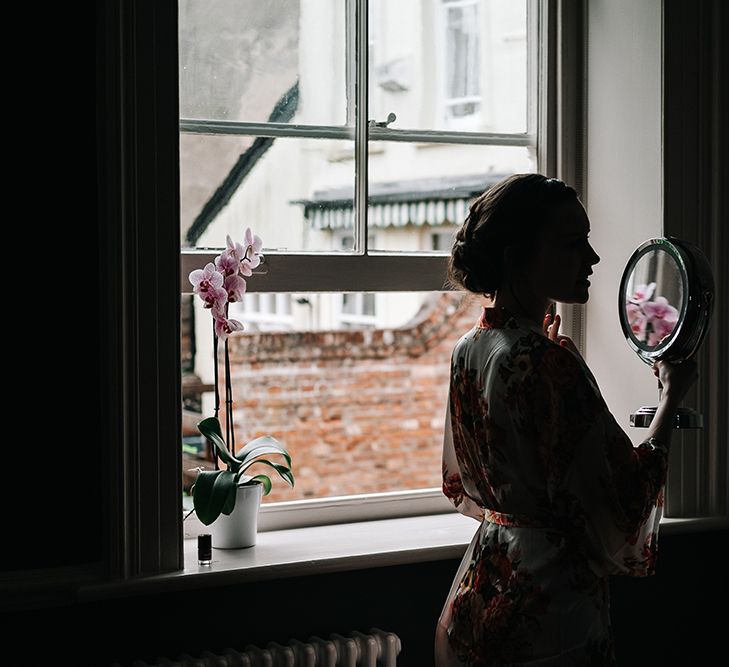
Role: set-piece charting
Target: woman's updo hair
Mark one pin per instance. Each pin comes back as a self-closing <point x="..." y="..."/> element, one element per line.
<point x="512" y="213"/>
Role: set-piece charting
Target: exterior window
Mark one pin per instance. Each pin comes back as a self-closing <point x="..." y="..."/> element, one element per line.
<point x="462" y="59"/>
<point x="261" y="312"/>
<point x="356" y="309"/>
<point x="348" y="325"/>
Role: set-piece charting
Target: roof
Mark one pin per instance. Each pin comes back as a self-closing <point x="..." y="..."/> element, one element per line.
<point x="423" y="201"/>
<point x="283" y="112"/>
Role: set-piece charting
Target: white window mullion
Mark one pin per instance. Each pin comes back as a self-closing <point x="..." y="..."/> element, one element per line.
<point x="361" y="136"/>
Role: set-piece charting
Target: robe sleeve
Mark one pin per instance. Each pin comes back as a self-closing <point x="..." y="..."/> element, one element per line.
<point x="453" y="487"/>
<point x="606" y="492"/>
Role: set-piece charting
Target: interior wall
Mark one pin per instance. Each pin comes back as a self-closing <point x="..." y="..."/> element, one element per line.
<point x="623" y="184"/>
<point x="664" y="619"/>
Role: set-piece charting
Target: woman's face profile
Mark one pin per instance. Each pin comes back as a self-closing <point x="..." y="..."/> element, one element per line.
<point x="564" y="257"/>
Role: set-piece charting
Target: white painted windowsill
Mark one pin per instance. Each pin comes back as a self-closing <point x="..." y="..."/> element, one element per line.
<point x="332" y="548"/>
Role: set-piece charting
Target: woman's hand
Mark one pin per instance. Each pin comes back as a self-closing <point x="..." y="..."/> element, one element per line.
<point x="551" y="331"/>
<point x="676" y="379"/>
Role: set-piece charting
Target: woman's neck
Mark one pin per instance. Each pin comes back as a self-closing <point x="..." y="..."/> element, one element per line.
<point x="528" y="306"/>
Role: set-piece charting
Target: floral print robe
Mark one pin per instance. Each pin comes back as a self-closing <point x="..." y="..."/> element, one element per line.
<point x="563" y="497"/>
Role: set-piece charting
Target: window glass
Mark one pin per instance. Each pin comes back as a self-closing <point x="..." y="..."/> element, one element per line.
<point x="353" y="383"/>
<point x="450" y="65"/>
<point x="252" y="61"/>
<point x="360" y="408"/>
<point x="416" y="188"/>
<point x="295" y="192"/>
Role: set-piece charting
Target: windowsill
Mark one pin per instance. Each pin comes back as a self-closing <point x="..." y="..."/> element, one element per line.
<point x="333" y="548"/>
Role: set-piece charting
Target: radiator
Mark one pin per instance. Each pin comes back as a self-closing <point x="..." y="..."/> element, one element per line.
<point x="374" y="648"/>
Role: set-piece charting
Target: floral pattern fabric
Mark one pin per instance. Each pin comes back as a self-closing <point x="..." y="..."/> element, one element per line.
<point x="563" y="497"/>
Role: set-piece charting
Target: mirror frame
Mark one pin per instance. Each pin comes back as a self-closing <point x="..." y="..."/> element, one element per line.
<point x="696" y="309"/>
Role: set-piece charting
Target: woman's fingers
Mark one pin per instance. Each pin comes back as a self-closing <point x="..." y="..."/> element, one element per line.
<point x="553" y="329"/>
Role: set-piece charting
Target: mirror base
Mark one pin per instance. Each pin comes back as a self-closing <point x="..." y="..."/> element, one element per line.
<point x="685" y="417"/>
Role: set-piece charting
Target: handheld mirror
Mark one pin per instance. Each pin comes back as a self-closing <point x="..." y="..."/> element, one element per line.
<point x="665" y="303"/>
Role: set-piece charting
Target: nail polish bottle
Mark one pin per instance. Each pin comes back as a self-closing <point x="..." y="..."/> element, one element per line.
<point x="204" y="549"/>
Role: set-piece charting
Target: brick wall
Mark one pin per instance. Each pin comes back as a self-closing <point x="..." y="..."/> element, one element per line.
<point x="359" y="411"/>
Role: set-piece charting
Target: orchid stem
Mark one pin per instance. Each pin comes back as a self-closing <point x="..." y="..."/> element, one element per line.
<point x="213" y="452"/>
<point x="229" y="400"/>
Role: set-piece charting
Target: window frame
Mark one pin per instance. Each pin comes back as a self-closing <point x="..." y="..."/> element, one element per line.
<point x="364" y="270"/>
<point x="137" y="166"/>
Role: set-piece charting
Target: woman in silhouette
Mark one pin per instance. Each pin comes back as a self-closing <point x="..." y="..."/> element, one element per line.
<point x="531" y="450"/>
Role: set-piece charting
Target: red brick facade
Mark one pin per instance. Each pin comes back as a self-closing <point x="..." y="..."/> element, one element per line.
<point x="359" y="411"/>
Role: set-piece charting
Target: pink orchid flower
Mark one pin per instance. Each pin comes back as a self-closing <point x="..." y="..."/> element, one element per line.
<point x="643" y="293"/>
<point x="224" y="327"/>
<point x="227" y="263"/>
<point x="251" y="258"/>
<point x="205" y="280"/>
<point x="215" y="298"/>
<point x="235" y="249"/>
<point x="235" y="287"/>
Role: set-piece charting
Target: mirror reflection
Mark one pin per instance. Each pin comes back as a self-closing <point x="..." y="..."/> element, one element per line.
<point x="654" y="298"/>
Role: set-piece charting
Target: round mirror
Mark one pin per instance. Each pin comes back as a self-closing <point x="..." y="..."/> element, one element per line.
<point x="665" y="302"/>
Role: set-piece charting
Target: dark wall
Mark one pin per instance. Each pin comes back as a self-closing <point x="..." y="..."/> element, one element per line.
<point x="679" y="616"/>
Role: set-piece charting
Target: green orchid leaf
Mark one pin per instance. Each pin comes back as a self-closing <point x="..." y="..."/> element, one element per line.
<point x="266" y="481"/>
<point x="229" y="505"/>
<point x="210" y="428"/>
<point x="245" y="480"/>
<point x="263" y="445"/>
<point x="211" y="494"/>
<point x="282" y="470"/>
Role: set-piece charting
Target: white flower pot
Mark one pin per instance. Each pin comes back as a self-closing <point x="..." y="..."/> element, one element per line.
<point x="239" y="529"/>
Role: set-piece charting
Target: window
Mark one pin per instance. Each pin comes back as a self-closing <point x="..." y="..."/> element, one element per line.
<point x="260" y="312"/>
<point x="355" y="309"/>
<point x="145" y="473"/>
<point x="462" y="59"/>
<point x="347" y="321"/>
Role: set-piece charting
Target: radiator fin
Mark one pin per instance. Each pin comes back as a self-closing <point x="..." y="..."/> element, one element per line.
<point x="374" y="648"/>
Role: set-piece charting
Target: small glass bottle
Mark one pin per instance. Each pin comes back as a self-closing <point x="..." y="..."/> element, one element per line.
<point x="204" y="549"/>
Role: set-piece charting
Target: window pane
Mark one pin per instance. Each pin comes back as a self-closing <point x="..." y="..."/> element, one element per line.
<point x="296" y="194"/>
<point x="450" y="65"/>
<point x="255" y="61"/>
<point x="434" y="191"/>
<point x="360" y="409"/>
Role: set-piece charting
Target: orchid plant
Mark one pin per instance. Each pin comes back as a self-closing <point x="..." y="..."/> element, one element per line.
<point x="218" y="285"/>
<point x="650" y="320"/>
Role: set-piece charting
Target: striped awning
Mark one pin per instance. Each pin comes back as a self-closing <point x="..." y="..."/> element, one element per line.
<point x="428" y="201"/>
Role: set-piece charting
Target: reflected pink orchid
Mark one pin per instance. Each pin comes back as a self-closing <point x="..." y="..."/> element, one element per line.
<point x="662" y="316"/>
<point x="642" y="293"/>
<point x="650" y="321"/>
